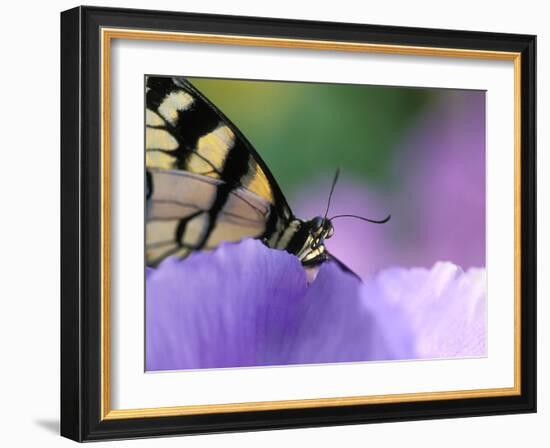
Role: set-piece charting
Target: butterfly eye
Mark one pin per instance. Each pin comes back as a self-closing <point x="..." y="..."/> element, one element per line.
<point x="330" y="232"/>
<point x="317" y="223"/>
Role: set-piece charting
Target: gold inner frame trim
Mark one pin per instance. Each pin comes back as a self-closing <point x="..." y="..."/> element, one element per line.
<point x="107" y="35"/>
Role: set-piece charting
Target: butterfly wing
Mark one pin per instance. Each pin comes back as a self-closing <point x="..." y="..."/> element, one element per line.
<point x="205" y="181"/>
<point x="179" y="210"/>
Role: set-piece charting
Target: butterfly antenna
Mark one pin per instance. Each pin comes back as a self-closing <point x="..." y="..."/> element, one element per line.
<point x="336" y="175"/>
<point x="374" y="221"/>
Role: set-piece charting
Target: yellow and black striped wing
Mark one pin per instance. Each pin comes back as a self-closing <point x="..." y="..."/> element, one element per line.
<point x="205" y="182"/>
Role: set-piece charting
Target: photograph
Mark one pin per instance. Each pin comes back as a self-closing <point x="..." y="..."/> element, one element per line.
<point x="309" y="223"/>
<point x="274" y="223"/>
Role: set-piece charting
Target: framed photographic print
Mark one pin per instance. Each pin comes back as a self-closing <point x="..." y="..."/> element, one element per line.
<point x="273" y="223"/>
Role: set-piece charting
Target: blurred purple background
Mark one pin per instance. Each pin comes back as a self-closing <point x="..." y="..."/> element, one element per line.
<point x="436" y="199"/>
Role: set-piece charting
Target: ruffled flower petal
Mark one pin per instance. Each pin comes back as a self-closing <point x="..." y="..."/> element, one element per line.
<point x="246" y="305"/>
<point x="444" y="306"/>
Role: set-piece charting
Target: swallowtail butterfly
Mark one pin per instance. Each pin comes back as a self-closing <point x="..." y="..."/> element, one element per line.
<point x="205" y="183"/>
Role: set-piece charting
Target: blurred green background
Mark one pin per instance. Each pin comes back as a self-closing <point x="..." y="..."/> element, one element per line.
<point x="305" y="130"/>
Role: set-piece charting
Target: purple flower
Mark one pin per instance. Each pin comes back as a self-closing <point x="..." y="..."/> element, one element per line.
<point x="246" y="305"/>
<point x="445" y="307"/>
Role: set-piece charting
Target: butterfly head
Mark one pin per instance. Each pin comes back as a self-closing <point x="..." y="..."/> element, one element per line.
<point x="310" y="246"/>
<point x="309" y="243"/>
<point x="321" y="229"/>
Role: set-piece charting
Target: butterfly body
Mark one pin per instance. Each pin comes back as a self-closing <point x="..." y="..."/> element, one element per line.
<point x="305" y="239"/>
<point x="206" y="184"/>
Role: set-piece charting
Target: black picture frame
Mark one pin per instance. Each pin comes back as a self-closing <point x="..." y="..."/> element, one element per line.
<point x="81" y="208"/>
